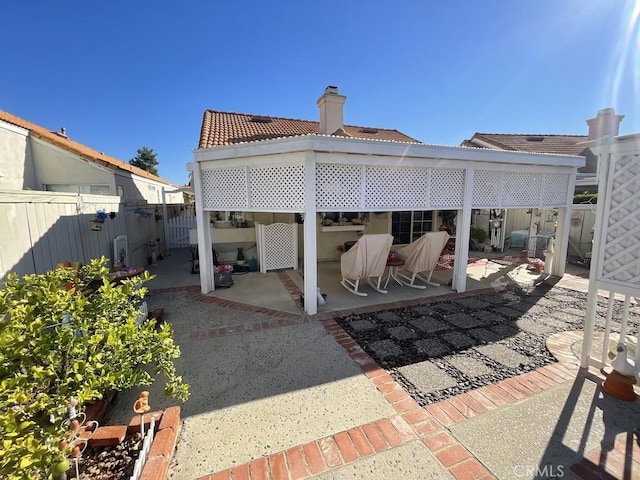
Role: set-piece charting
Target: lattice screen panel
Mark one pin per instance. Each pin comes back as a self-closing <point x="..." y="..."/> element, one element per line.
<point x="278" y="246"/>
<point x="554" y="190"/>
<point x="224" y="189"/>
<point x="277" y="187"/>
<point x="486" y="188"/>
<point x="521" y="189"/>
<point x="396" y="187"/>
<point x="338" y="186"/>
<point x="621" y="251"/>
<point x="446" y="188"/>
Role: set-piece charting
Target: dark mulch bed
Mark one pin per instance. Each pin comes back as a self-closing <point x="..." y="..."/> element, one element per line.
<point x="108" y="463"/>
<point x="441" y="349"/>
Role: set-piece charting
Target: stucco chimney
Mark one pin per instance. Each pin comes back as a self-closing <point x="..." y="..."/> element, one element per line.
<point x="605" y="123"/>
<point x="331" y="105"/>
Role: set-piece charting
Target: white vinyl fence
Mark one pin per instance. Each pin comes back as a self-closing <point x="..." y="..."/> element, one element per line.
<point x="38" y="230"/>
<point x="178" y="230"/>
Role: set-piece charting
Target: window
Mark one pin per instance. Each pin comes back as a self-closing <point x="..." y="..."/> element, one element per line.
<point x="70" y="188"/>
<point x="120" y="191"/>
<point x="99" y="190"/>
<point x="407" y="226"/>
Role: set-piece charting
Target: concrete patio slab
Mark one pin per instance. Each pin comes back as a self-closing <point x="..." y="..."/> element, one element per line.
<point x="554" y="428"/>
<point x="261" y="393"/>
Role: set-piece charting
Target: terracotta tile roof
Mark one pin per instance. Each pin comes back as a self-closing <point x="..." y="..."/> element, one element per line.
<point x="227" y="128"/>
<point x="536" y="143"/>
<point x="72" y="146"/>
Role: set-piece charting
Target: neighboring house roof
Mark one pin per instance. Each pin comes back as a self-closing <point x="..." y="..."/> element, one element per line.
<point x="535" y="143"/>
<point x="61" y="140"/>
<point x="227" y="128"/>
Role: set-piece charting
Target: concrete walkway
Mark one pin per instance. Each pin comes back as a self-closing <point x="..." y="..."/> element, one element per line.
<point x="278" y="395"/>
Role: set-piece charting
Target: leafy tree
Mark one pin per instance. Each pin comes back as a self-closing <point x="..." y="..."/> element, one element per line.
<point x="69" y="334"/>
<point x="146" y="160"/>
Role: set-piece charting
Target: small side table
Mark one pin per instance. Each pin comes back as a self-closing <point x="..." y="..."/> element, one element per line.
<point x="393" y="264"/>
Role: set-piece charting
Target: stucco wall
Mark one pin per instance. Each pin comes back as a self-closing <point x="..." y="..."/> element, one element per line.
<point x="139" y="188"/>
<point x="56" y="166"/>
<point x="16" y="165"/>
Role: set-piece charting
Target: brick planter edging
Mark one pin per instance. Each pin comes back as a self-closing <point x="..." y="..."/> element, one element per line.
<point x="168" y="424"/>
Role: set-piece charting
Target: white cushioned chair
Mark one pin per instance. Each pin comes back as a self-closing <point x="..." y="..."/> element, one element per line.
<point x="366" y="259"/>
<point x="420" y="259"/>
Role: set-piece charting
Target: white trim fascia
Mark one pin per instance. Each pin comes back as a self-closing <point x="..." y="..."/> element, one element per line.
<point x="320" y="143"/>
<point x="14" y="128"/>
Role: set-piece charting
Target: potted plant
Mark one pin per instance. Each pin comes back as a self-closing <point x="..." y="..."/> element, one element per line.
<point x="223" y="276"/>
<point x="478" y="238"/>
<point x="240" y="256"/>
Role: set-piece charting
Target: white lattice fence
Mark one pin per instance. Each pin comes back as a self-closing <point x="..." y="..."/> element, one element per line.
<point x="615" y="263"/>
<point x="277" y="246"/>
<point x="277" y="187"/>
<point x="621" y="250"/>
<point x="401" y="187"/>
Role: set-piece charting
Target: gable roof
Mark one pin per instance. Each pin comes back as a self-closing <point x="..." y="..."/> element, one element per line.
<point x="228" y="128"/>
<point x="535" y="143"/>
<point x="64" y="142"/>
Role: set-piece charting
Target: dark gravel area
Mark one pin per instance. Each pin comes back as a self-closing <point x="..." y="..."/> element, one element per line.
<point x="441" y="349"/>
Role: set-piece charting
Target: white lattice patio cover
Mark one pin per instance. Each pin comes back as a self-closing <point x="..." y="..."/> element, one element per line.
<point x="422" y="255"/>
<point x="367" y="258"/>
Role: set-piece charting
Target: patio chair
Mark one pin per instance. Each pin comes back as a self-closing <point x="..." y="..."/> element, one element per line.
<point x="366" y="259"/>
<point x="420" y="259"/>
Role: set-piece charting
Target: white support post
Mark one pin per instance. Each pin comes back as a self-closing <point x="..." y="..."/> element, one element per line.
<point x="561" y="244"/>
<point x="463" y="233"/>
<point x="310" y="238"/>
<point x="596" y="260"/>
<point x="205" y="256"/>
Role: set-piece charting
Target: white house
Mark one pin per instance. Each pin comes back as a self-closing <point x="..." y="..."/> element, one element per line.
<point x="35" y="158"/>
<point x="51" y="190"/>
<point x="262" y="165"/>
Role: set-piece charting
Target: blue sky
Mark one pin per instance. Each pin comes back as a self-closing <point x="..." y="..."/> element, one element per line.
<point x="119" y="75"/>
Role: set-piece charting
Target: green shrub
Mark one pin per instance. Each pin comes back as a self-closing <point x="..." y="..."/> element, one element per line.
<point x="59" y="341"/>
<point x="585" y="198"/>
<point x="478" y="234"/>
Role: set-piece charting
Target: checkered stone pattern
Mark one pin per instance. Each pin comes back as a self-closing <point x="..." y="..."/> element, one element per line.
<point x="224" y="189"/>
<point x="397" y="187"/>
<point x="447" y="188"/>
<point x="621" y="250"/>
<point x="338" y="186"/>
<point x="277" y="187"/>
